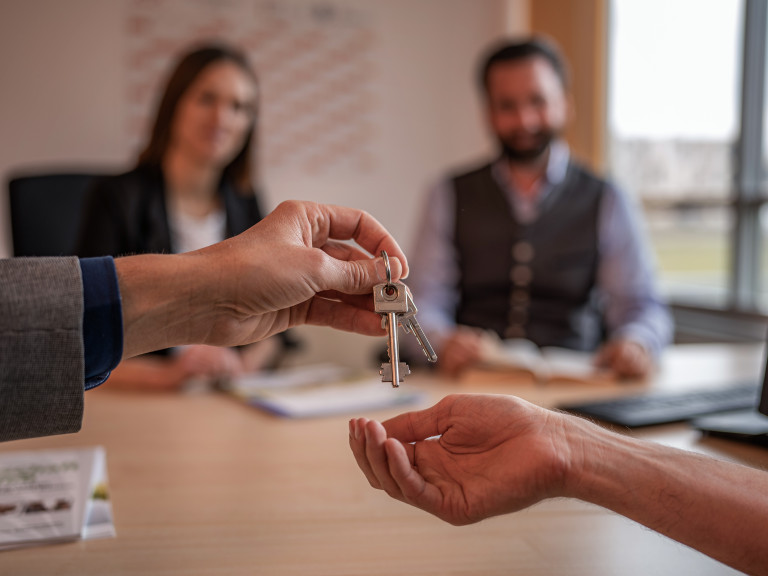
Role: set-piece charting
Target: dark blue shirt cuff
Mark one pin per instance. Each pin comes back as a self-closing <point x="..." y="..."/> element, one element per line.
<point x="102" y="319"/>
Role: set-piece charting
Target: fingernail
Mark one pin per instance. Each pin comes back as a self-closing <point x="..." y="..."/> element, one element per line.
<point x="403" y="272"/>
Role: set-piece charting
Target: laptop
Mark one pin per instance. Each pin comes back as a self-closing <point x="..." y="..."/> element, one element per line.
<point x="736" y="410"/>
<point x="748" y="425"/>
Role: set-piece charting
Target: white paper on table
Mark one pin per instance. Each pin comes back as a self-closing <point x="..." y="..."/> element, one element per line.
<point x="320" y="390"/>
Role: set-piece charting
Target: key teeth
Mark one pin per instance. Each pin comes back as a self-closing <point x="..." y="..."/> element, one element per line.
<point x="386" y="372"/>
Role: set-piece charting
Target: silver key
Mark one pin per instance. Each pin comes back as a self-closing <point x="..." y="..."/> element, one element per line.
<point x="412" y="326"/>
<point x="386" y="373"/>
<point x="390" y="299"/>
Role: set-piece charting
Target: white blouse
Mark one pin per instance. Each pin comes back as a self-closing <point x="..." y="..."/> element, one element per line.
<point x="190" y="233"/>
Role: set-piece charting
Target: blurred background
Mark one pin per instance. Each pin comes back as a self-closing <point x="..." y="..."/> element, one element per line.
<point x="366" y="103"/>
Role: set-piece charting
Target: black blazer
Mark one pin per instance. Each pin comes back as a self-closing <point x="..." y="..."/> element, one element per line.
<point x="126" y="214"/>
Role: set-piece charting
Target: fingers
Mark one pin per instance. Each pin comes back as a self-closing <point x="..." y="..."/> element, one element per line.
<point x="362" y="271"/>
<point x="317" y="224"/>
<point x="367" y="439"/>
<point x="462" y="349"/>
<point x="375" y="438"/>
<point x="456" y="359"/>
<point x="345" y="223"/>
<point x="359" y="276"/>
<point x="633" y="364"/>
<point x="604" y="356"/>
<point x="420" y="424"/>
<point x="357" y="444"/>
<point x="389" y="465"/>
<point x="344" y="251"/>
<point x="628" y="359"/>
<point x="362" y="301"/>
<point x="347" y="268"/>
<point x="342" y="316"/>
<point x="410" y="484"/>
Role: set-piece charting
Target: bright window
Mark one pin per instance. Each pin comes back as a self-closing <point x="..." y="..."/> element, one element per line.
<point x="674" y="82"/>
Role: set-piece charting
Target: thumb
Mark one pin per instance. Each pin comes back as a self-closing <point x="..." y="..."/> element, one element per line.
<point x="360" y="276"/>
<point x="435" y="420"/>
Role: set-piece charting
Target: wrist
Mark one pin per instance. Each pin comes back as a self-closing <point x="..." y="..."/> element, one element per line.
<point x="604" y="465"/>
<point x="165" y="301"/>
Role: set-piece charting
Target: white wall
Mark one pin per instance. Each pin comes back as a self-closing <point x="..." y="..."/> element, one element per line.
<point x="60" y="86"/>
<point x="61" y="105"/>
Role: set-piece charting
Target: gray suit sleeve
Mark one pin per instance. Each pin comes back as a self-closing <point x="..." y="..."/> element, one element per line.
<point x="41" y="347"/>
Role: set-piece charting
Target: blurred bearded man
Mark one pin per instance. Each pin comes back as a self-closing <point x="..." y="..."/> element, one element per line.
<point x="531" y="244"/>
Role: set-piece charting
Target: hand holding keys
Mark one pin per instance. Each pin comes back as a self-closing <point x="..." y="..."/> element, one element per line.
<point x="394" y="302"/>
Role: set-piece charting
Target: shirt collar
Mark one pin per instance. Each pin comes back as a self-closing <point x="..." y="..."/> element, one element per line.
<point x="559" y="156"/>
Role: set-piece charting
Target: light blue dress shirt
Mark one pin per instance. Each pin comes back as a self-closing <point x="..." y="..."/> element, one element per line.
<point x="625" y="280"/>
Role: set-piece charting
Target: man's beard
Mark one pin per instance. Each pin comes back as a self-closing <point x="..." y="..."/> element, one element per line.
<point x="529" y="153"/>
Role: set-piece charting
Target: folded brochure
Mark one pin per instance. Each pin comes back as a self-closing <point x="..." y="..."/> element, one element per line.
<point x="53" y="495"/>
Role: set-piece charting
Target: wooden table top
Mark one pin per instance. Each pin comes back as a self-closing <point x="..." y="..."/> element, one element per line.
<point x="201" y="484"/>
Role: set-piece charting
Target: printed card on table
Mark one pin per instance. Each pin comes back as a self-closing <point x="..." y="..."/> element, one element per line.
<point x="53" y="495"/>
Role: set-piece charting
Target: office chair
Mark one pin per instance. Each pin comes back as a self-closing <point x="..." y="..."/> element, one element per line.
<point x="45" y="212"/>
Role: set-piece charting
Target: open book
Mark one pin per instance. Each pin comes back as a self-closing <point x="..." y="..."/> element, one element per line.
<point x="523" y="357"/>
<point x="53" y="495"/>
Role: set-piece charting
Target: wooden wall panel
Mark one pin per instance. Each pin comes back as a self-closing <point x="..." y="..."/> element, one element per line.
<point x="580" y="29"/>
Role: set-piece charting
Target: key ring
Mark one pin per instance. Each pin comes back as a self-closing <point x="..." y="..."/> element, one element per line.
<point x="386" y="266"/>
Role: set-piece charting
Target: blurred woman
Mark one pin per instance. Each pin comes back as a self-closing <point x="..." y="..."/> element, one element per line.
<point x="191" y="187"/>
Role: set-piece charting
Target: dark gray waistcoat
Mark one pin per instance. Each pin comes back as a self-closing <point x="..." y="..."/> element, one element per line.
<point x="534" y="281"/>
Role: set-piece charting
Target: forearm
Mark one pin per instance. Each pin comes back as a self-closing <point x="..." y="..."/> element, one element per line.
<point x="716" y="507"/>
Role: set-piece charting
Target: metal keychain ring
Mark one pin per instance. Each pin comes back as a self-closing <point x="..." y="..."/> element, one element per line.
<point x="386" y="266"/>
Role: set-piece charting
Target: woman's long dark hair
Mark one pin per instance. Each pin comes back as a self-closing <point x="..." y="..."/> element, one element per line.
<point x="240" y="170"/>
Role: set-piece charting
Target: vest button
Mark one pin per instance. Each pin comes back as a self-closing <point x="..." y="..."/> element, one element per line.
<point x="521" y="275"/>
<point x="523" y="251"/>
